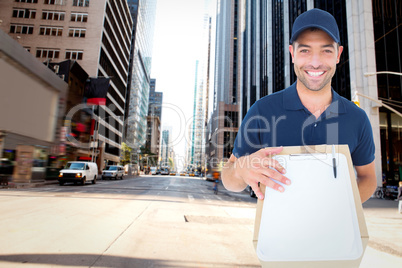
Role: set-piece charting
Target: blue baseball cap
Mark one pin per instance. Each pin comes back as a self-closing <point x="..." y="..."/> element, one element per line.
<point x="315" y="18"/>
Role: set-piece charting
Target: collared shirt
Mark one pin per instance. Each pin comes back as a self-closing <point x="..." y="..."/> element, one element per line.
<point x="280" y="119"/>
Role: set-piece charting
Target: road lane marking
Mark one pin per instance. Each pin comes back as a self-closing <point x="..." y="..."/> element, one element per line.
<point x="207" y="199"/>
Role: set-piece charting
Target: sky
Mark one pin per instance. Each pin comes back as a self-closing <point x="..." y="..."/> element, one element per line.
<point x="177" y="46"/>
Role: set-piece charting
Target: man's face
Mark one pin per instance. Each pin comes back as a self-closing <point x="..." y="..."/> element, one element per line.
<point x="315" y="55"/>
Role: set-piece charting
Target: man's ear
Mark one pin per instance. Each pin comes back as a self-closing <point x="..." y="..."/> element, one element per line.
<point x="340" y="49"/>
<point x="291" y="52"/>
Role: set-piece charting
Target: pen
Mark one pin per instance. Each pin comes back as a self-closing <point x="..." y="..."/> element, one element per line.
<point x="333" y="160"/>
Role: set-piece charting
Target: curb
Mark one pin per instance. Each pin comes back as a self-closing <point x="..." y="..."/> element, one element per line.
<point x="20" y="185"/>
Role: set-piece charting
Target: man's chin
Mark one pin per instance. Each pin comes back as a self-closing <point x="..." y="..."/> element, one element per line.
<point x="312" y="86"/>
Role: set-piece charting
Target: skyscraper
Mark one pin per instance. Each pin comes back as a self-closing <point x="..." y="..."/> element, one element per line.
<point x="143" y="13"/>
<point x="223" y="123"/>
<point x="154" y="119"/>
<point x="155" y="100"/>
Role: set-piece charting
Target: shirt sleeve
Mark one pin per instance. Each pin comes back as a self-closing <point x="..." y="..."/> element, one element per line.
<point x="248" y="137"/>
<point x="364" y="153"/>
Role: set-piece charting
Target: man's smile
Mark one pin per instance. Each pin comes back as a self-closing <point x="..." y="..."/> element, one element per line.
<point x="315" y="74"/>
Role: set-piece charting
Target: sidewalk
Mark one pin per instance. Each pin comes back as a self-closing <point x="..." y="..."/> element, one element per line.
<point x="384" y="224"/>
<point x="40" y="183"/>
<point x="32" y="184"/>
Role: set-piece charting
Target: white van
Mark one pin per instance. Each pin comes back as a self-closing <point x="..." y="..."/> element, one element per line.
<point x="113" y="172"/>
<point x="153" y="170"/>
<point x="77" y="171"/>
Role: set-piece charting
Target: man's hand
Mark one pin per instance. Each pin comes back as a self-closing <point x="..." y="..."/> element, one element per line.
<point x="253" y="169"/>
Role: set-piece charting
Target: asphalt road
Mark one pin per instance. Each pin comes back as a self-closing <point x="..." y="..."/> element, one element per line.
<point x="148" y="221"/>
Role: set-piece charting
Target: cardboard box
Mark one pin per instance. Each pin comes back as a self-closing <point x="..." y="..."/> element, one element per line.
<point x="349" y="192"/>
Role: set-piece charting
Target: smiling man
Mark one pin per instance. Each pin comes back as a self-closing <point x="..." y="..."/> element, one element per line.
<point x="309" y="112"/>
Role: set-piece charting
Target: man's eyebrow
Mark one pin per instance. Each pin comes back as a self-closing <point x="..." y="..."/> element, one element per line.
<point x="323" y="46"/>
<point x="301" y="45"/>
<point x="329" y="45"/>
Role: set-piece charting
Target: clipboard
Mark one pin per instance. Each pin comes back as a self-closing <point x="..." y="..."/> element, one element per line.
<point x="318" y="221"/>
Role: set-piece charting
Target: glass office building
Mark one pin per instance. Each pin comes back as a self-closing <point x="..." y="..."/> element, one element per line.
<point x="143" y="13"/>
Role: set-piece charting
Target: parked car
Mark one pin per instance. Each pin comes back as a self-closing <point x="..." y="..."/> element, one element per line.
<point x="153" y="170"/>
<point x="209" y="177"/>
<point x="165" y="171"/>
<point x="76" y="171"/>
<point x="113" y="172"/>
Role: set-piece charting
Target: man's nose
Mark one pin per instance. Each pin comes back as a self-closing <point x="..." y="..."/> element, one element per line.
<point x="315" y="60"/>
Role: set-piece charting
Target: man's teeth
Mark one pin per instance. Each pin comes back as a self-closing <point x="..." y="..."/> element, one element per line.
<point x="315" y="73"/>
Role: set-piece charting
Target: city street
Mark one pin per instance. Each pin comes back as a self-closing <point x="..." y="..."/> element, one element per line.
<point x="152" y="221"/>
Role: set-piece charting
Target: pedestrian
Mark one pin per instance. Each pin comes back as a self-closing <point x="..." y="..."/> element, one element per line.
<point x="216" y="181"/>
<point x="399" y="197"/>
<point x="309" y="112"/>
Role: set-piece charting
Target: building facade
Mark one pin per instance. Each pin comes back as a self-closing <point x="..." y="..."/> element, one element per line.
<point x="97" y="34"/>
<point x="367" y="28"/>
<point x="143" y="12"/>
<point x="223" y="123"/>
<point x="152" y="143"/>
<point x="155" y="101"/>
<point x="153" y="135"/>
<point x="165" y="148"/>
<point x="32" y="104"/>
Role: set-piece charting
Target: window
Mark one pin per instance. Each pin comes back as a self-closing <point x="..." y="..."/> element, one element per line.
<point x="76" y="32"/>
<point x="53" y="15"/>
<point x="47" y="30"/>
<point x="81" y="3"/>
<point x="55" y="2"/>
<point x="28" y="49"/>
<point x="24" y="13"/>
<point x="74" y="55"/>
<point x="21" y="29"/>
<point x="47" y="53"/>
<point x="27" y="1"/>
<point x="79" y="17"/>
<point x="231" y="119"/>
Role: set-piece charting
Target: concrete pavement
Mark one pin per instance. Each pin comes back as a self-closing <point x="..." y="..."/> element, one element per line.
<point x="384" y="224"/>
<point x="382" y="218"/>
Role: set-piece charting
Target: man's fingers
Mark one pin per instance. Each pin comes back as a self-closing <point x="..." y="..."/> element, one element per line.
<point x="257" y="191"/>
<point x="272" y="163"/>
<point x="270" y="181"/>
<point x="271" y="151"/>
<point x="275" y="175"/>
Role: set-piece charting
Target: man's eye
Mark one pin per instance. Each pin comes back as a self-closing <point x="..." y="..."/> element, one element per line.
<point x="303" y="51"/>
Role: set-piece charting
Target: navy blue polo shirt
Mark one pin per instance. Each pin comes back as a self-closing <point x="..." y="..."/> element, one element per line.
<point x="280" y="119"/>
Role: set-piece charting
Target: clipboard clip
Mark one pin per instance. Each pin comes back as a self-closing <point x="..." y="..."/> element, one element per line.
<point x="314" y="156"/>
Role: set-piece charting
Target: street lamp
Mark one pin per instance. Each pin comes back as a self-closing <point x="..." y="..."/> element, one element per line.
<point x="379" y="101"/>
<point x="382" y="72"/>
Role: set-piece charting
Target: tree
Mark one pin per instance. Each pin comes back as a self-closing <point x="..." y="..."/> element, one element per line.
<point x="125" y="154"/>
<point x="171" y="164"/>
